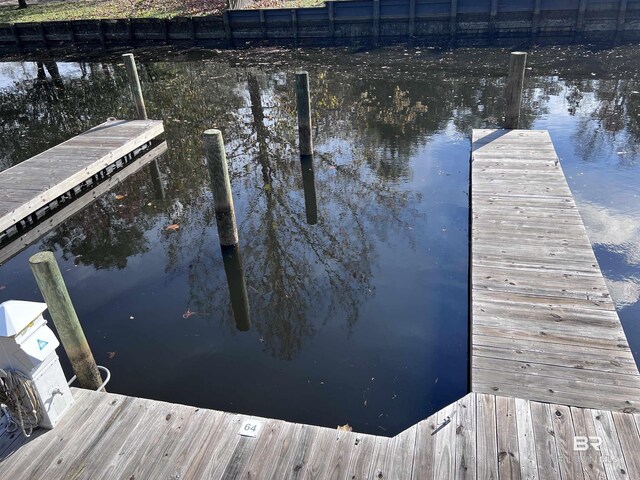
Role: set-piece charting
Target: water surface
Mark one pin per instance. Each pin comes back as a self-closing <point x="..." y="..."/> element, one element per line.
<point x="360" y="317"/>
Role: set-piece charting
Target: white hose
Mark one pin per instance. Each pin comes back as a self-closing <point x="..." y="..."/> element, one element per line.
<point x="104" y="382"/>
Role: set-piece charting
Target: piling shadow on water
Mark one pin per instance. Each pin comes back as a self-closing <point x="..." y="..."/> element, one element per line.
<point x="309" y="185"/>
<point x="237" y="286"/>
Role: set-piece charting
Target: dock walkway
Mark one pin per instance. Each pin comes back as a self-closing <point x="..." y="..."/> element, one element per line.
<point x="110" y="436"/>
<point x="555" y="389"/>
<point x="543" y="324"/>
<point x="37" y="185"/>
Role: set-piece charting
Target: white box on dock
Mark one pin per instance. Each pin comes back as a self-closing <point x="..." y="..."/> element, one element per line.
<point x="28" y="345"/>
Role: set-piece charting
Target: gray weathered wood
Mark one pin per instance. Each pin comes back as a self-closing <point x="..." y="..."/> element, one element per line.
<point x="526" y="440"/>
<point x="42" y="228"/>
<point x="51" y="284"/>
<point x="515" y="82"/>
<point x="445" y="436"/>
<point x="486" y="437"/>
<point x="465" y="448"/>
<point x="543" y="324"/>
<point x="134" y="84"/>
<point x="507" y="436"/>
<point x="629" y="436"/>
<point x="424" y="453"/>
<point x="113" y="436"/>
<point x="545" y="442"/>
<point x="569" y="459"/>
<point x="610" y="448"/>
<point x="590" y="459"/>
<point x="400" y="454"/>
<point x="221" y="187"/>
<point x="40" y="180"/>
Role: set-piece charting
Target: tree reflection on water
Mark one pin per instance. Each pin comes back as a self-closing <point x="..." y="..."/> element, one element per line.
<point x="305" y="264"/>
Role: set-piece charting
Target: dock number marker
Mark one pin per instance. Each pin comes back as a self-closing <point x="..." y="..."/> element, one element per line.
<point x="42" y="344"/>
<point x="250" y="428"/>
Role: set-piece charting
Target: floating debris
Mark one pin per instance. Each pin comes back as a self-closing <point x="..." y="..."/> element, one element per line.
<point x="189" y="313"/>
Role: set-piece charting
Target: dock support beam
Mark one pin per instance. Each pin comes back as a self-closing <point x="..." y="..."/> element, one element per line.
<point x="221" y="187"/>
<point x="47" y="273"/>
<point x="515" y="82"/>
<point x="304" y="113"/>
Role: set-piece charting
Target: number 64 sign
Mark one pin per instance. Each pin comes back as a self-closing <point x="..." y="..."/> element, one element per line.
<point x="250" y="428"/>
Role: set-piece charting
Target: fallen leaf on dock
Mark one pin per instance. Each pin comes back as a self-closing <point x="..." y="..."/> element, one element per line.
<point x="345" y="428"/>
<point x="172" y="228"/>
<point x="110" y="355"/>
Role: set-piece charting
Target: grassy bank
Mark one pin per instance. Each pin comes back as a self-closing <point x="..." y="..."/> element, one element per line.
<point x="92" y="9"/>
<point x="286" y="3"/>
<point x="51" y="10"/>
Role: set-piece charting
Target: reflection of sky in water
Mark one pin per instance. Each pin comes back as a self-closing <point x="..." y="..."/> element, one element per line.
<point x="602" y="168"/>
<point x="363" y="315"/>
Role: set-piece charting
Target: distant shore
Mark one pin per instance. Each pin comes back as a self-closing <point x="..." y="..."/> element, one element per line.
<point x="61" y="10"/>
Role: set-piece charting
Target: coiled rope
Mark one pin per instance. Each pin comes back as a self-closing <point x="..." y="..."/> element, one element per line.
<point x="18" y="393"/>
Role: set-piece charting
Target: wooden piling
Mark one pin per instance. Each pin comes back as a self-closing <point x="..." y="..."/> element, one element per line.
<point x="134" y="83"/>
<point x="220" y="187"/>
<point x="309" y="185"/>
<point x="54" y="291"/>
<point x="304" y="113"/>
<point x="141" y="110"/>
<point x="515" y="82"/>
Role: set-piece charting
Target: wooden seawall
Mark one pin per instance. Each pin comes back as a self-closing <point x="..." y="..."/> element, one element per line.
<point x="346" y="22"/>
<point x="555" y="390"/>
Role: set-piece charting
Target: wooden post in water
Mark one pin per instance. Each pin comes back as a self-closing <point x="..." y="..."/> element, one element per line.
<point x="220" y="187"/>
<point x="515" y="81"/>
<point x="304" y="113"/>
<point x="141" y="110"/>
<point x="51" y="285"/>
<point x="134" y="83"/>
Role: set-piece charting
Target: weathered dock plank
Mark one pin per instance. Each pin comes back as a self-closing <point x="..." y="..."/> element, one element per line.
<point x="112" y="436"/>
<point x="543" y="324"/>
<point x="40" y="180"/>
<point x="30" y="236"/>
<point x="555" y="389"/>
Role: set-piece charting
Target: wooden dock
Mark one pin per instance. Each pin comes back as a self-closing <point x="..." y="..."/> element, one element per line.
<point x="543" y="324"/>
<point x="555" y="390"/>
<point x="35" y="187"/>
<point x="109" y="436"/>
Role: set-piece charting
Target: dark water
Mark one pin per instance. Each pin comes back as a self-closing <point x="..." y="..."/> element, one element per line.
<point x="361" y="317"/>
